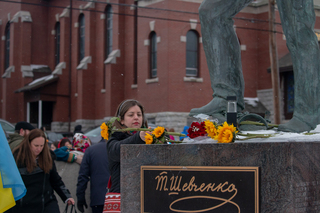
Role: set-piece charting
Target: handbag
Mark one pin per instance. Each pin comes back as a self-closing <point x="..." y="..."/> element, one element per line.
<point x="71" y="211"/>
<point x="112" y="201"/>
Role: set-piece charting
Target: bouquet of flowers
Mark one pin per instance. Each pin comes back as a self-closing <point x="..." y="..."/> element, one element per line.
<point x="224" y="133"/>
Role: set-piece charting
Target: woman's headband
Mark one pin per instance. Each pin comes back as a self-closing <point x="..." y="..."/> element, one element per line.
<point x="122" y="105"/>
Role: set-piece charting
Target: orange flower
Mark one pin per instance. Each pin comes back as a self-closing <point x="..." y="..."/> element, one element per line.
<point x="211" y="129"/>
<point x="158" y="132"/>
<point x="148" y="138"/>
<point x="104" y="131"/>
<point x="226" y="133"/>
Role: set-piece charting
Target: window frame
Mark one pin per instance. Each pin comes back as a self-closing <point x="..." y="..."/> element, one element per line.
<point x="81" y="35"/>
<point x="108" y="30"/>
<point x="153" y="54"/>
<point x="57" y="44"/>
<point x="192" y="71"/>
<point x="7" y="47"/>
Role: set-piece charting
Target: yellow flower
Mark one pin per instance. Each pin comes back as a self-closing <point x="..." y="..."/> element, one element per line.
<point x="158" y="132"/>
<point x="210" y="129"/>
<point x="148" y="138"/>
<point x="226" y="133"/>
<point x="104" y="131"/>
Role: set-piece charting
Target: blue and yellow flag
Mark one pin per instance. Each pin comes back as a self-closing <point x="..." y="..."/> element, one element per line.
<point x="11" y="183"/>
<point x="6" y="198"/>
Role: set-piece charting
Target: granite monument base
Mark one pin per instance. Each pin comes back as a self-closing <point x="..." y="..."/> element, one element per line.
<point x="289" y="172"/>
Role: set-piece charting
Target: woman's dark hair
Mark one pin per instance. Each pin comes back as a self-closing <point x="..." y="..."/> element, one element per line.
<point x="124" y="107"/>
<point x="24" y="156"/>
<point x="56" y="143"/>
<point x="77" y="129"/>
<point x="63" y="142"/>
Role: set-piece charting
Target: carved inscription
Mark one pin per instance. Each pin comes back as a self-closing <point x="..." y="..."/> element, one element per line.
<point x="192" y="190"/>
<point x="191" y="186"/>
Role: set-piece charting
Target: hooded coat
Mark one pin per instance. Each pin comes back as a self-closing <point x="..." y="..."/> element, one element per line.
<point x="14" y="140"/>
<point x="40" y="196"/>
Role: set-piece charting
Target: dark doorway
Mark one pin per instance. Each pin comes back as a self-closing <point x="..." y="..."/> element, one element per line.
<point x="47" y="112"/>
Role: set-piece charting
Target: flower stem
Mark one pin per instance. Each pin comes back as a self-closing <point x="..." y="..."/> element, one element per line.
<point x="257" y="123"/>
<point x="132" y="129"/>
<point x="175" y="134"/>
<point x="250" y="136"/>
<point x="146" y="129"/>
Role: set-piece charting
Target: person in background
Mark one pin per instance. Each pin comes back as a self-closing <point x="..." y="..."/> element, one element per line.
<point x="22" y="128"/>
<point x="171" y="136"/>
<point x="39" y="174"/>
<point x="94" y="168"/>
<point x="54" y="145"/>
<point x="63" y="153"/>
<point x="43" y="128"/>
<point x="77" y="129"/>
<point x="131" y="115"/>
<point x="185" y="132"/>
<point x="80" y="142"/>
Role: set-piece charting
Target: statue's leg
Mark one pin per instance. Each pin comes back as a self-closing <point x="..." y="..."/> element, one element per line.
<point x="222" y="50"/>
<point x="298" y="19"/>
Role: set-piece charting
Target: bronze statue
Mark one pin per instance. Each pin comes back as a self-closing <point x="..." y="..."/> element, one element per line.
<point x="223" y="55"/>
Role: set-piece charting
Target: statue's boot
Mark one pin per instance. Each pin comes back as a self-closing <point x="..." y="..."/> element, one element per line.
<point x="295" y="125"/>
<point x="222" y="50"/>
<point x="298" y="19"/>
<point x="217" y="108"/>
<point x="216" y="105"/>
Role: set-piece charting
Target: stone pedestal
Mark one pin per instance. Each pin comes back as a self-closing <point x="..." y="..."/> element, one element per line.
<point x="289" y="171"/>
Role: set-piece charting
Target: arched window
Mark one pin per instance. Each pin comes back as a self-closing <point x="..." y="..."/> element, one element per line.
<point x="108" y="23"/>
<point x="153" y="54"/>
<point x="7" y="47"/>
<point x="81" y="36"/>
<point x="192" y="53"/>
<point x="57" y="44"/>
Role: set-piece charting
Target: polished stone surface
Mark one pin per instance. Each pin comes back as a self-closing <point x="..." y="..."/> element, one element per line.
<point x="289" y="171"/>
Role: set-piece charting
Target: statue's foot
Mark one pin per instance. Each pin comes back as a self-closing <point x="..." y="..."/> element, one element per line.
<point x="216" y="105"/>
<point x="219" y="117"/>
<point x="295" y="125"/>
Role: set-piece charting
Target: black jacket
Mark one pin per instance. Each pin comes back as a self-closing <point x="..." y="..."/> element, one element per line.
<point x="94" y="167"/>
<point x="113" y="146"/>
<point x="40" y="197"/>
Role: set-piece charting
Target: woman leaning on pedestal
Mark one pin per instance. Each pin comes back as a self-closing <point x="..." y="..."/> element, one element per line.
<point x="131" y="114"/>
<point x="39" y="174"/>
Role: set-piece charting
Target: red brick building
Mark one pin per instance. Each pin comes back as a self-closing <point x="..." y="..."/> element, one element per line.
<point x="116" y="52"/>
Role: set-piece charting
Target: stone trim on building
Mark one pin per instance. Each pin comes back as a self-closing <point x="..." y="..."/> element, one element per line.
<point x="65" y="12"/>
<point x="24" y="15"/>
<point x="26" y="71"/>
<point x="112" y="57"/>
<point x="58" y="69"/>
<point x="192" y="79"/>
<point x="7" y="73"/>
<point x="84" y="63"/>
<point x="152" y="80"/>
